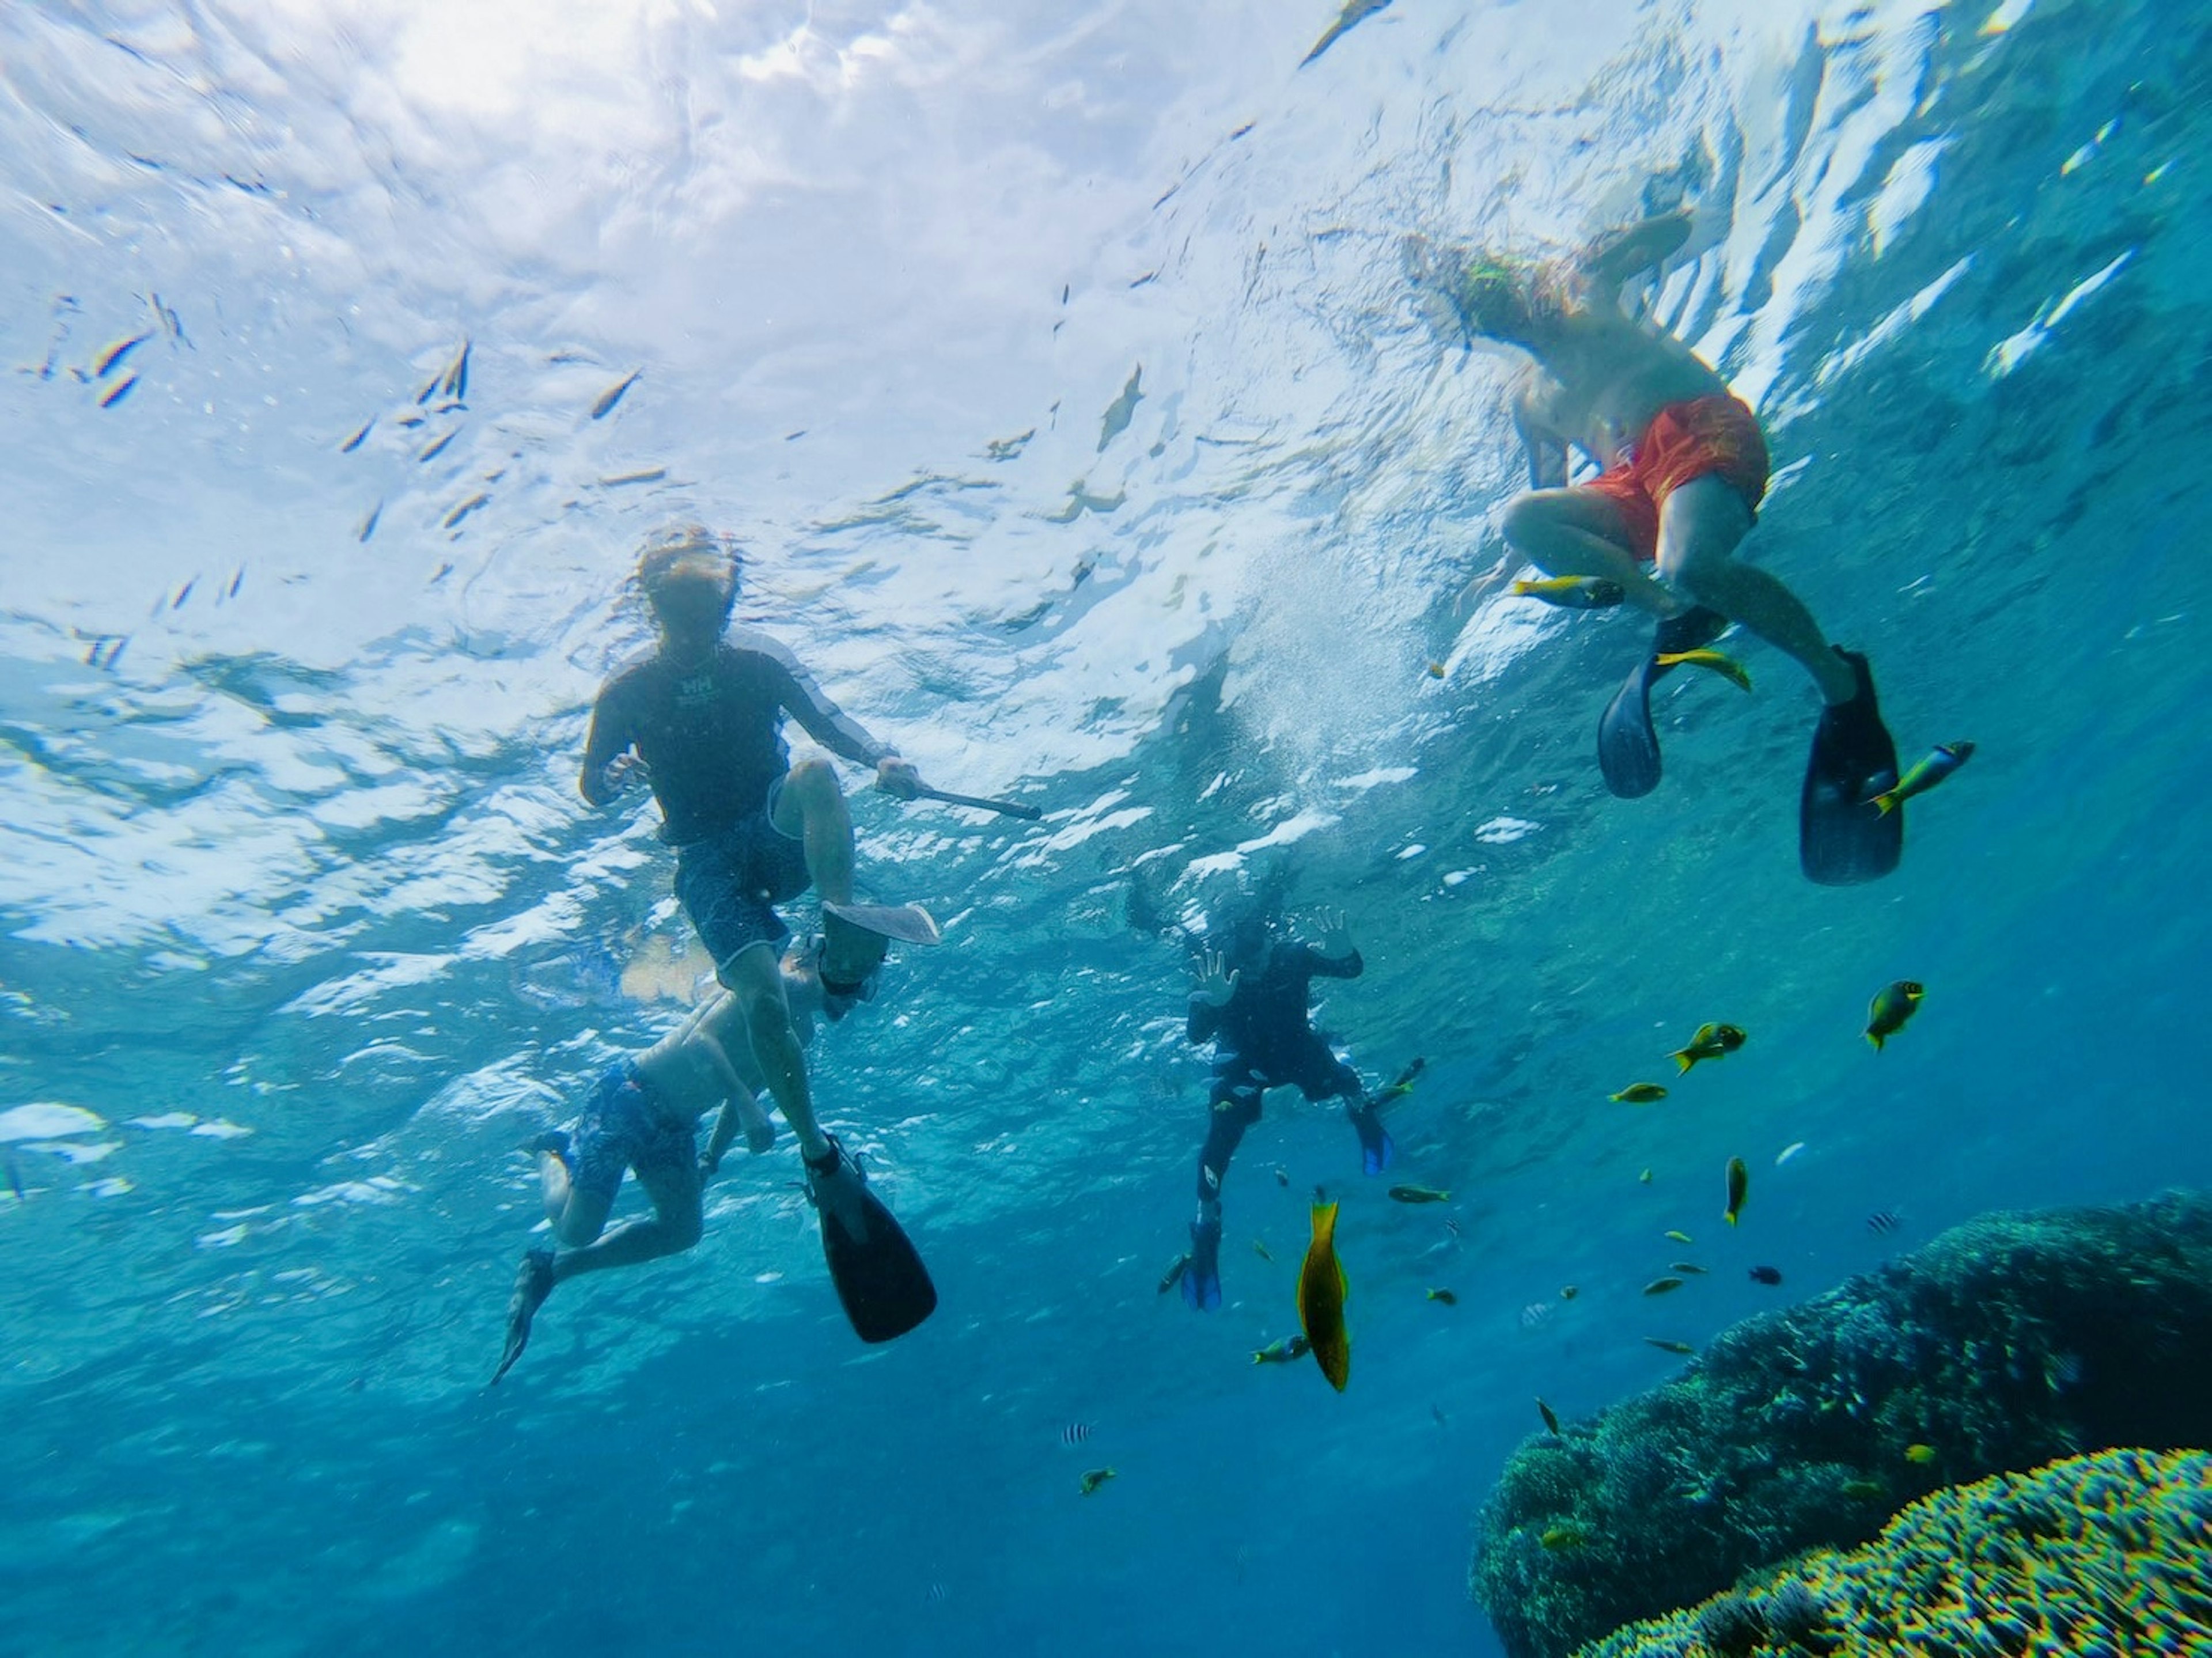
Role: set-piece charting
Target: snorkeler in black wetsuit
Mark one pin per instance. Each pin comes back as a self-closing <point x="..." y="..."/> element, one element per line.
<point x="700" y="720"/>
<point x="1251" y="1003"/>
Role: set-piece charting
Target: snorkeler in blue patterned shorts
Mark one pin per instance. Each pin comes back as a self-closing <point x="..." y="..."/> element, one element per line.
<point x="1250" y="1002"/>
<point x="644" y="1117"/>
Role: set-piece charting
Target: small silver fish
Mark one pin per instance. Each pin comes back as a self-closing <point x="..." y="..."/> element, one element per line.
<point x="613" y="395"/>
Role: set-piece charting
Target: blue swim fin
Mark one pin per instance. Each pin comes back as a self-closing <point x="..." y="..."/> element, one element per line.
<point x="1377" y="1150"/>
<point x="1201" y="1279"/>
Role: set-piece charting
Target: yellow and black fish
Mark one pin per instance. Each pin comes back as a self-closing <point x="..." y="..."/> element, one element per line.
<point x="1096" y="1477"/>
<point x="1558" y="1537"/>
<point x="1572" y="592"/>
<point x="1679" y="1237"/>
<point x="1280" y="1352"/>
<point x="1739" y="1187"/>
<point x="1922" y="1455"/>
<point x="1718" y="662"/>
<point x="1639" y="1094"/>
<point x="1893" y="1005"/>
<point x="1660" y="1286"/>
<point x="1710" y="1043"/>
<point x="1419" y="1194"/>
<point x="1939" y="763"/>
<point x="1445" y="1297"/>
<point x="1321" y="1293"/>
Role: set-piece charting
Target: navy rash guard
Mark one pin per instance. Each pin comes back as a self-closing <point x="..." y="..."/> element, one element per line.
<point x="1266" y="1021"/>
<point x="712" y="733"/>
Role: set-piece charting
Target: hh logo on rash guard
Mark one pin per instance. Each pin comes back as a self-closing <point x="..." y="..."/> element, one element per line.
<point x="695" y="692"/>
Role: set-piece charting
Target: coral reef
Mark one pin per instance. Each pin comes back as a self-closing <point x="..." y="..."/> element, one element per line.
<point x="2096" y="1555"/>
<point x="2004" y="1343"/>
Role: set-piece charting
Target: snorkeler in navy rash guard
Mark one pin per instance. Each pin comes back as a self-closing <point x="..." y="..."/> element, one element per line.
<point x="700" y="720"/>
<point x="1251" y="1003"/>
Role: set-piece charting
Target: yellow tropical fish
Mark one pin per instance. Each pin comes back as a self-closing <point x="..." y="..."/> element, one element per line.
<point x="1563" y="1537"/>
<point x="1679" y="1237"/>
<point x="1718" y="662"/>
<point x="1639" y="1094"/>
<point x="1322" y="1292"/>
<point x="1942" y="759"/>
<point x="1419" y="1194"/>
<point x="1572" y="592"/>
<point x="1920" y="1454"/>
<point x="1644" y="1178"/>
<point x="1710" y="1043"/>
<point x="1445" y="1297"/>
<point x="1893" y="1005"/>
<point x="1095" y="1478"/>
<point x="1739" y="1187"/>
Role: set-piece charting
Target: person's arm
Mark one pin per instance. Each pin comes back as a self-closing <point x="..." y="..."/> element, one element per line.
<point x="609" y="765"/>
<point x="831" y="727"/>
<point x="1546" y="449"/>
<point x="1620" y="254"/>
<point x="741" y="1106"/>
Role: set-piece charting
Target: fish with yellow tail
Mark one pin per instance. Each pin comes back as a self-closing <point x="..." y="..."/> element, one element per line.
<point x="1419" y="1194"/>
<point x="1893" y="1005"/>
<point x="1093" y="1479"/>
<point x="1719" y="662"/>
<point x="1322" y="1290"/>
<point x="1638" y="1094"/>
<point x="1572" y="592"/>
<point x="1938" y="764"/>
<point x="1710" y="1043"/>
<point x="1738" y="1178"/>
<point x="1280" y="1352"/>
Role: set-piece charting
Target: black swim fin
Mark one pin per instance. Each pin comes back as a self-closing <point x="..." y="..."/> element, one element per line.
<point x="1628" y="746"/>
<point x="881" y="1281"/>
<point x="1842" y="837"/>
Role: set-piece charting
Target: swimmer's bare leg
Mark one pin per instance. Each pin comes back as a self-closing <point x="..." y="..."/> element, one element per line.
<point x="1578" y="532"/>
<point x="1700" y="526"/>
<point x="674" y="1227"/>
<point x="811" y="806"/>
<point x="755" y="980"/>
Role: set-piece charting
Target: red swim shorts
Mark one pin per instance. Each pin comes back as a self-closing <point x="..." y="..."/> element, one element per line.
<point x="1715" y="434"/>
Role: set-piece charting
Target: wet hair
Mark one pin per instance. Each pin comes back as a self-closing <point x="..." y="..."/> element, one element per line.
<point x="672" y="547"/>
<point x="1501" y="298"/>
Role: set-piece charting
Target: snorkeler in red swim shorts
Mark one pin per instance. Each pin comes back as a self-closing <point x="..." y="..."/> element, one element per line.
<point x="1685" y="469"/>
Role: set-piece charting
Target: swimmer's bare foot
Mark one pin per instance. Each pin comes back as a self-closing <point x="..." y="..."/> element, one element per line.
<point x="533" y="1282"/>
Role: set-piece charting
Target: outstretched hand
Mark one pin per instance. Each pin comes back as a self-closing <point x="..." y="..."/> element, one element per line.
<point x="1217" y="980"/>
<point x="1335" y="935"/>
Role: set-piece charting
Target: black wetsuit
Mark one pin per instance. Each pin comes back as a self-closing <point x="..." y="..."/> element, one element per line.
<point x="1262" y="1039"/>
<point x="711" y="734"/>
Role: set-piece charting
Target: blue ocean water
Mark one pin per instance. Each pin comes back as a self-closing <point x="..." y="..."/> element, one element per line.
<point x="1057" y="371"/>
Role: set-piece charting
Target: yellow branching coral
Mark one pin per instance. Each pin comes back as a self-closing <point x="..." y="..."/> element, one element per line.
<point x="2106" y="1554"/>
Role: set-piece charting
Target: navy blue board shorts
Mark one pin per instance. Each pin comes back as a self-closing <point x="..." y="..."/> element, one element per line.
<point x="620" y="1129"/>
<point x="1313" y="1069"/>
<point x="730" y="884"/>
